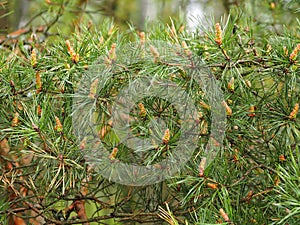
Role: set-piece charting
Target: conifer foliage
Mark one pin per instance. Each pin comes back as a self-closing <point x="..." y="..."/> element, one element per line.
<point x="253" y="179"/>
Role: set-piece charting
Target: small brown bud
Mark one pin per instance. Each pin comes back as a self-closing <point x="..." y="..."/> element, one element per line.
<point x="142" y="38"/>
<point x="293" y="55"/>
<point x="251" y="111"/>
<point x="113" y="154"/>
<point x="33" y="58"/>
<point x="282" y="158"/>
<point x="143" y="111"/>
<point x="112" y="52"/>
<point x="230" y="85"/>
<point x="224" y="215"/>
<point x="39" y="110"/>
<point x="249" y="195"/>
<point x="212" y="186"/>
<point x="218" y="38"/>
<point x="72" y="53"/>
<point x="294" y="112"/>
<point x="202" y="167"/>
<point x="58" y="127"/>
<point x="166" y="137"/>
<point x="38" y="82"/>
<point x="15" y="120"/>
<point x="204" y="105"/>
<point x="228" y="109"/>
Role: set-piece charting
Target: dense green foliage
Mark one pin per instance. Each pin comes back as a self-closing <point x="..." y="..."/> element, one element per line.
<point x="254" y="178"/>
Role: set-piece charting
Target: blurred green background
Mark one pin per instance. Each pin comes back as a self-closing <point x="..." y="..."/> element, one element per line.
<point x="16" y="14"/>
